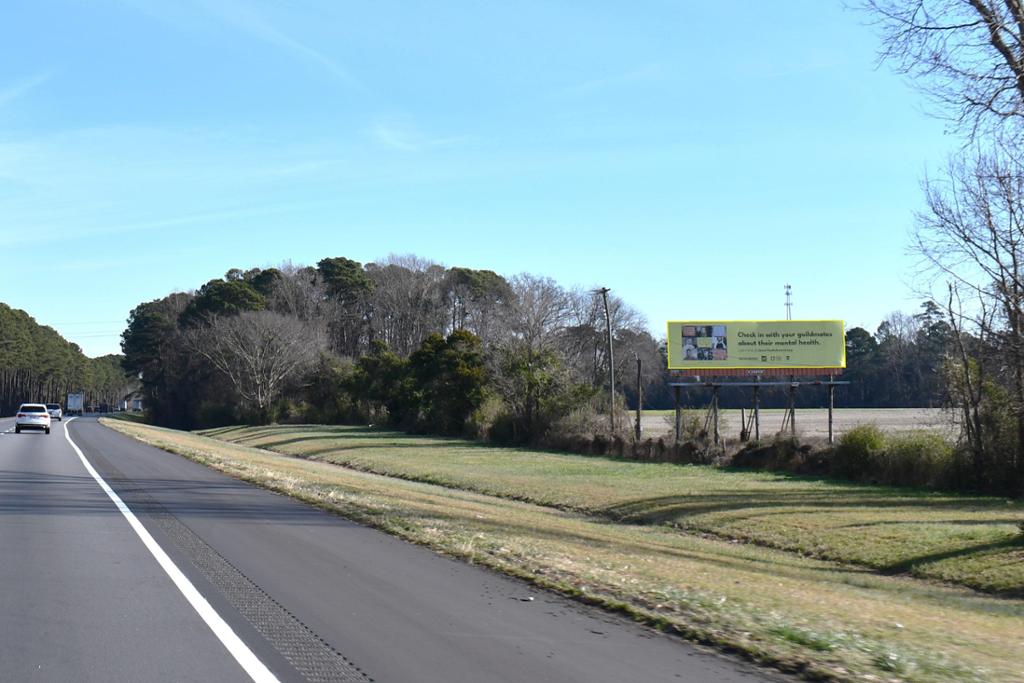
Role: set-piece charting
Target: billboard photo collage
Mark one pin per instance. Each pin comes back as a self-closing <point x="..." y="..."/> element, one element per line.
<point x="704" y="342"/>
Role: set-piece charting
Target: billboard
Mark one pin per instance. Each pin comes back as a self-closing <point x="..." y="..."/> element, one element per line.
<point x="756" y="344"/>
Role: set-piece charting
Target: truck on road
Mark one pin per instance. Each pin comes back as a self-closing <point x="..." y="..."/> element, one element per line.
<point x="75" y="404"/>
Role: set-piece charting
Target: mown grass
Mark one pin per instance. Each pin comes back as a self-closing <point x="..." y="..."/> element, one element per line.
<point x="821" y="619"/>
<point x="972" y="541"/>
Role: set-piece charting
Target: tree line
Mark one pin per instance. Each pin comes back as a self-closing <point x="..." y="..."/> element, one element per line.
<point x="410" y="343"/>
<point x="38" y="365"/>
<point x="404" y="341"/>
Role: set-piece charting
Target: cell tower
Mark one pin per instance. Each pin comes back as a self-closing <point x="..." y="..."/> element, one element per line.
<point x="789" y="302"/>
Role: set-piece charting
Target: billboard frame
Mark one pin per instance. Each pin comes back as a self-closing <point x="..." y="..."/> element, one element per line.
<point x="773" y="371"/>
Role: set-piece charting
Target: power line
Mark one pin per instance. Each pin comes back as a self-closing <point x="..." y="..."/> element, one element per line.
<point x="91" y="323"/>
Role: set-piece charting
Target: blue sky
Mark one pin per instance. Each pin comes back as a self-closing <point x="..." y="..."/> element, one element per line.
<point x="693" y="157"/>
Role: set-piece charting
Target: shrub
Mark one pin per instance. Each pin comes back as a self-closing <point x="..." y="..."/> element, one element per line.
<point x="918" y="459"/>
<point x="489" y="421"/>
<point x="581" y="421"/>
<point x="538" y="392"/>
<point x="856" y="455"/>
<point x="691" y="426"/>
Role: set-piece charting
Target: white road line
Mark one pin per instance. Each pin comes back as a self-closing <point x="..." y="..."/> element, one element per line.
<point x="239" y="650"/>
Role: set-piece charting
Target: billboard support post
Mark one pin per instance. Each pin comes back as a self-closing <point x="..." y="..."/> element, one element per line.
<point x="791" y="410"/>
<point x="714" y="408"/>
<point x="679" y="413"/>
<point x="639" y="393"/>
<point x="757" y="410"/>
<point x="831" y="406"/>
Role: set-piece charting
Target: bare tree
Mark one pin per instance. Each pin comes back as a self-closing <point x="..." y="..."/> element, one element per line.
<point x="300" y="293"/>
<point x="582" y="340"/>
<point x="258" y="351"/>
<point x="540" y="311"/>
<point x="968" y="376"/>
<point x="968" y="55"/>
<point x="972" y="236"/>
<point x="406" y="304"/>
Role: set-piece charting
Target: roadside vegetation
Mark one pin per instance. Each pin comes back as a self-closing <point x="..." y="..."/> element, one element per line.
<point x="824" y="620"/>
<point x="518" y="361"/>
<point x="974" y="541"/>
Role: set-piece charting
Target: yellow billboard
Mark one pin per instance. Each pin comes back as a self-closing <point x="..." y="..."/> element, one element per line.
<point x="756" y="344"/>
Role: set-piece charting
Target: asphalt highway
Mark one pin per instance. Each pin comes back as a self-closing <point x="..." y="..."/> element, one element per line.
<point x="236" y="583"/>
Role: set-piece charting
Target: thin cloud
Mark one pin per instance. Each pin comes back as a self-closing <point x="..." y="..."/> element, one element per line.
<point x="407" y="138"/>
<point x="22" y="88"/>
<point x="243" y="19"/>
<point x="98" y="227"/>
<point x="647" y="73"/>
<point x="83" y="266"/>
<point x="394" y="137"/>
<point x="249" y="22"/>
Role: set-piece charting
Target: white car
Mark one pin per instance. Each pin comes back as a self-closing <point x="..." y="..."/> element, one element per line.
<point x="55" y="412"/>
<point x="32" y="416"/>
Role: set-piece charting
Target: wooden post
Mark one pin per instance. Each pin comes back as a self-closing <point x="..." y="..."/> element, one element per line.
<point x="611" y="359"/>
<point x="792" y="406"/>
<point x="679" y="413"/>
<point x="757" y="411"/>
<point x="714" y="407"/>
<point x="639" y="394"/>
<point x="831" y="405"/>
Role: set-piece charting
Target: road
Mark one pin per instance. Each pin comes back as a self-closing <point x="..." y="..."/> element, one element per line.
<point x="279" y="589"/>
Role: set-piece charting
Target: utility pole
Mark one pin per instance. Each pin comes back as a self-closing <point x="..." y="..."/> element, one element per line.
<point x="789" y="302"/>
<point x="611" y="359"/>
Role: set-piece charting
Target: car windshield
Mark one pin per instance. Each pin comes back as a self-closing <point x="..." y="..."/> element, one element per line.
<point x="33" y="409"/>
<point x="53" y="406"/>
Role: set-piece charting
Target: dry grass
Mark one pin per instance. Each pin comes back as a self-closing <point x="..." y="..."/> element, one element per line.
<point x="812" y="423"/>
<point x="973" y="541"/>
<point x="819" y="618"/>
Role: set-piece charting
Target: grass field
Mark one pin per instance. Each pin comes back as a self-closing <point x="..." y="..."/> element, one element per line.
<point x="973" y="541"/>
<point x="822" y="619"/>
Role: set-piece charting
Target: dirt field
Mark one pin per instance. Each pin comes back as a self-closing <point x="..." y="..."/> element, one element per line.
<point x="813" y="423"/>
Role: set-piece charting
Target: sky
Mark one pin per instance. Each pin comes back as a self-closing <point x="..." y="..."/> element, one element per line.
<point x="692" y="157"/>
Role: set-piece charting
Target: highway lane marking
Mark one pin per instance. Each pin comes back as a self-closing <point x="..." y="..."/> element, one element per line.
<point x="239" y="650"/>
